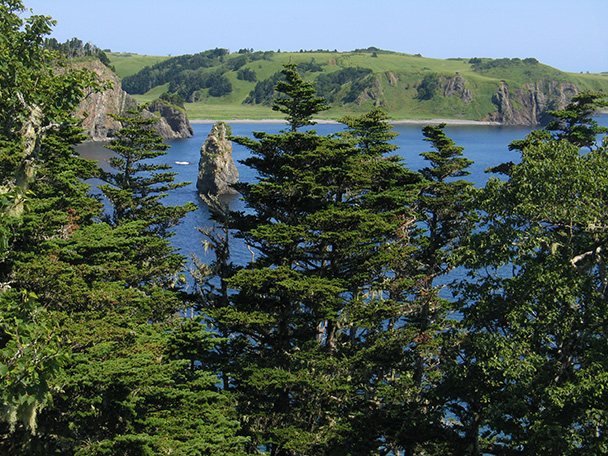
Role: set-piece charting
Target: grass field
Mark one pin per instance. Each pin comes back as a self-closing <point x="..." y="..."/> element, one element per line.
<point x="397" y="77"/>
<point x="128" y="64"/>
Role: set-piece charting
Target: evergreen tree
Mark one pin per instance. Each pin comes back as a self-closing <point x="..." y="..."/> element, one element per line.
<point x="444" y="207"/>
<point x="35" y="106"/>
<point x="307" y="314"/>
<point x="81" y="363"/>
<point x="135" y="190"/>
<point x="138" y="184"/>
<point x="298" y="102"/>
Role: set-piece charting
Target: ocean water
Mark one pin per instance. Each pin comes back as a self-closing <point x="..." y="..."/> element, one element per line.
<point x="486" y="145"/>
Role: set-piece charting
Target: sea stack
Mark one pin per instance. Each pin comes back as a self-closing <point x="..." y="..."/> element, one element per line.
<point x="216" y="168"/>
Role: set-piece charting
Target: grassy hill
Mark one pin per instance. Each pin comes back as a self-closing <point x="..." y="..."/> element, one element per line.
<point x="407" y="86"/>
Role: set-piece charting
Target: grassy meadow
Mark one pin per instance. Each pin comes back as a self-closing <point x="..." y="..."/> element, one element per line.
<point x="396" y="80"/>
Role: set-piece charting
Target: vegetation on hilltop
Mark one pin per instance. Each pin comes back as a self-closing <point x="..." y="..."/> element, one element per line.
<point x="404" y="85"/>
<point x="76" y="49"/>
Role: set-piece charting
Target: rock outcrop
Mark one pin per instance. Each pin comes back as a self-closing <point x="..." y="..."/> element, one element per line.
<point x="529" y="104"/>
<point x="96" y="106"/>
<point x="456" y="86"/>
<point x="216" y="168"/>
<point x="94" y="109"/>
<point x="172" y="123"/>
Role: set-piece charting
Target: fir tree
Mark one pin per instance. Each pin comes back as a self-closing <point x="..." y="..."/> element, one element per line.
<point x="320" y="221"/>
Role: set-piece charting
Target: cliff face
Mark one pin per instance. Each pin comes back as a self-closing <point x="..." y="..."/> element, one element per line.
<point x="94" y="109"/>
<point x="529" y="104"/>
<point x="216" y="168"/>
<point x="173" y="123"/>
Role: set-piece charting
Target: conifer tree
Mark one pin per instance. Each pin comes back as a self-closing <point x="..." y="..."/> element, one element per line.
<point x="137" y="185"/>
<point x="82" y="368"/>
<point x="135" y="190"/>
<point x="307" y="313"/>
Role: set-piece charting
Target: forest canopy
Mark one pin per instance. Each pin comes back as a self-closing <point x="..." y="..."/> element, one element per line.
<point x="337" y="337"/>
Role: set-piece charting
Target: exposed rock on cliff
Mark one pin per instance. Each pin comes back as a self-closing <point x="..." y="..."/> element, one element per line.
<point x="456" y="86"/>
<point x="173" y="123"/>
<point x="529" y="104"/>
<point x="94" y="109"/>
<point x="216" y="168"/>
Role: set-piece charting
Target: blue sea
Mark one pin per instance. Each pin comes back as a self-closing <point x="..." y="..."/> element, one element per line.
<point x="486" y="145"/>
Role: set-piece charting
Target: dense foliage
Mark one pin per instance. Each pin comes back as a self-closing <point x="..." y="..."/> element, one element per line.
<point x="93" y="358"/>
<point x="188" y="75"/>
<point x="75" y="48"/>
<point x="346" y="333"/>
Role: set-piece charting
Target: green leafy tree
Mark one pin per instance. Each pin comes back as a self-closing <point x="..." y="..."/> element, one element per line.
<point x="531" y="376"/>
<point x="575" y="123"/>
<point x="30" y="359"/>
<point x="428" y="87"/>
<point x="35" y="106"/>
<point x="82" y="368"/>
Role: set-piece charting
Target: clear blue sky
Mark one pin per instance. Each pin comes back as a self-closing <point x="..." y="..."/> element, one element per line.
<point x="568" y="34"/>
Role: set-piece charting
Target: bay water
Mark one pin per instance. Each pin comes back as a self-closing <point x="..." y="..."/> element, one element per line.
<point x="486" y="145"/>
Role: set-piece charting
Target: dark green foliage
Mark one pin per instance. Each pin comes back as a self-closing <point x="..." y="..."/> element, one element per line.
<point x="263" y="92"/>
<point x="308" y="353"/>
<point x="220" y="86"/>
<point x="81" y="362"/>
<point x="312" y="67"/>
<point x="30" y="359"/>
<point x="298" y="101"/>
<point x="166" y="71"/>
<point x="136" y="187"/>
<point x="483" y="65"/>
<point x="530" y="375"/>
<point x="133" y="388"/>
<point x="428" y="87"/>
<point x="236" y="63"/>
<point x="329" y="85"/>
<point x="75" y="48"/>
<point x="187" y="84"/>
<point x="575" y="124"/>
<point x="246" y="74"/>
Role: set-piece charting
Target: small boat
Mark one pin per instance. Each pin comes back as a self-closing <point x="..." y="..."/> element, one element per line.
<point x="182" y="163"/>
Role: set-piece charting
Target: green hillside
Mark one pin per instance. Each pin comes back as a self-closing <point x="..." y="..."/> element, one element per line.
<point x="216" y="84"/>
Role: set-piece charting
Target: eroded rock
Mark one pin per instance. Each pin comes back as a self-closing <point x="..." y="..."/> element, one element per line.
<point x="216" y="169"/>
<point x="94" y="109"/>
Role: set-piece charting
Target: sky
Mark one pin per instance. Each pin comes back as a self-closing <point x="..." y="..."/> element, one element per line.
<point x="570" y="35"/>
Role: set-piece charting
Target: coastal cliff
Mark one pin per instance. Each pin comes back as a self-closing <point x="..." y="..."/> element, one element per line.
<point x="528" y="104"/>
<point x="172" y="122"/>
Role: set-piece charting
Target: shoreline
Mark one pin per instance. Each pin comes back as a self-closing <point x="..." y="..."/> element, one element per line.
<point x="333" y="122"/>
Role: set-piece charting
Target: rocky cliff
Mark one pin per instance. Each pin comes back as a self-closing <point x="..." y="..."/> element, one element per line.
<point x="172" y="123"/>
<point x="216" y="169"/>
<point x="528" y="104"/>
<point x="94" y="109"/>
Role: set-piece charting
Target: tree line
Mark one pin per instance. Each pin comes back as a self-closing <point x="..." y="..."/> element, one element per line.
<point x="187" y="75"/>
<point x="344" y="334"/>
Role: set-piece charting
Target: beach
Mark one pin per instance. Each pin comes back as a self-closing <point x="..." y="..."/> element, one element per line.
<point x="325" y="121"/>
